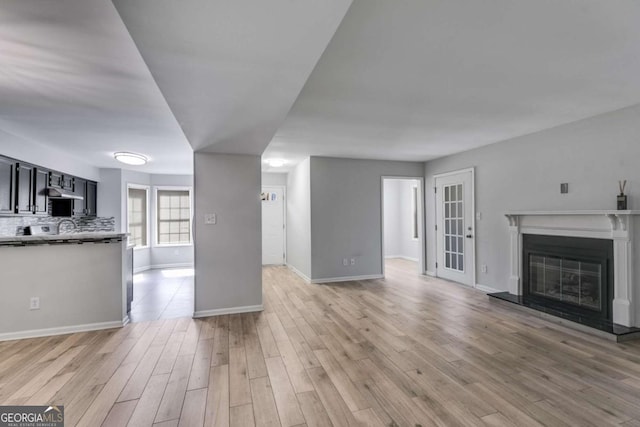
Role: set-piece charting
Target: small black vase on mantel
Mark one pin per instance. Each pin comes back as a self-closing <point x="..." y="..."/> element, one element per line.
<point x="622" y="198"/>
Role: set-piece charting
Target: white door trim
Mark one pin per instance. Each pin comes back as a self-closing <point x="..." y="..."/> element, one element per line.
<point x="284" y="217"/>
<point x="473" y="214"/>
<point x="421" y="220"/>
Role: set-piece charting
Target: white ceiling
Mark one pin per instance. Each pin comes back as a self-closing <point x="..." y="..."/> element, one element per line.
<point x="417" y="79"/>
<point x="402" y="80"/>
<point x="71" y="78"/>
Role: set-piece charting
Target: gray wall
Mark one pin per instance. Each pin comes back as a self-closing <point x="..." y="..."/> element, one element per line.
<point x="269" y="178"/>
<point x="45" y="156"/>
<point x="228" y="255"/>
<point x="398" y="220"/>
<point x="110" y="196"/>
<point x="525" y="174"/>
<point x="346" y="210"/>
<point x="299" y="218"/>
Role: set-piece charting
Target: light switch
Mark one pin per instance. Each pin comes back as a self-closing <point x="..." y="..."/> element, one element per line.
<point x="210" y="219"/>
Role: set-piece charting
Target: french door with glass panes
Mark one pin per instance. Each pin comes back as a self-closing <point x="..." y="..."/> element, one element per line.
<point x="455" y="226"/>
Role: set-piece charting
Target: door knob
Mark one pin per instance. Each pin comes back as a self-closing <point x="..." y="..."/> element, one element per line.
<point x="469" y="236"/>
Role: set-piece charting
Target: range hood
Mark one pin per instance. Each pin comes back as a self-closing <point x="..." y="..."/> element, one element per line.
<point x="56" y="193"/>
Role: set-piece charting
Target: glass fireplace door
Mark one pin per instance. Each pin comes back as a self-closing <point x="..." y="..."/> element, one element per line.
<point x="570" y="281"/>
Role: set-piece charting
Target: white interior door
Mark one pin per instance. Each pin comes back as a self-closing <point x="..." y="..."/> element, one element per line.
<point x="455" y="227"/>
<point x="273" y="249"/>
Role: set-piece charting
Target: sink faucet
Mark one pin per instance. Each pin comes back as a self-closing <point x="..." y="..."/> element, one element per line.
<point x="75" y="226"/>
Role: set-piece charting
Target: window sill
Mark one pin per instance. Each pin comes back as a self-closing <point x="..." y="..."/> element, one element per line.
<point x="173" y="245"/>
<point x="139" y="248"/>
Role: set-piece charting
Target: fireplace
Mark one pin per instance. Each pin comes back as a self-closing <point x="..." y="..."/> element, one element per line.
<point x="571" y="275"/>
<point x="576" y="262"/>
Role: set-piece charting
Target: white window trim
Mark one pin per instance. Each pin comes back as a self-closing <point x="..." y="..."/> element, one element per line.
<point x="140" y="187"/>
<point x="154" y="215"/>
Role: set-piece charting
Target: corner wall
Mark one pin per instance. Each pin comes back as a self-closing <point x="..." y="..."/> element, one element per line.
<point x="346" y="222"/>
<point x="525" y="174"/>
<point x="228" y="255"/>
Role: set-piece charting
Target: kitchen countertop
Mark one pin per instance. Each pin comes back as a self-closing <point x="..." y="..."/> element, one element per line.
<point x="65" y="238"/>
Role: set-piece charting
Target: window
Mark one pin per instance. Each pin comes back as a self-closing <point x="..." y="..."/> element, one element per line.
<point x="414" y="219"/>
<point x="174" y="217"/>
<point x="137" y="216"/>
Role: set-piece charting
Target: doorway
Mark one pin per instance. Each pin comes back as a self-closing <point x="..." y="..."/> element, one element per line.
<point x="455" y="226"/>
<point x="273" y="225"/>
<point x="402" y="223"/>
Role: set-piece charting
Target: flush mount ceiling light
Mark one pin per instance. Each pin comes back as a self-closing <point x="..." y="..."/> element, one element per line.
<point x="276" y="163"/>
<point x="130" y="158"/>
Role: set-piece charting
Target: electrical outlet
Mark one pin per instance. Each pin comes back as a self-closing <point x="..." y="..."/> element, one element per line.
<point x="345" y="261"/>
<point x="210" y="219"/>
<point x="483" y="268"/>
<point x="34" y="303"/>
<point x="353" y="261"/>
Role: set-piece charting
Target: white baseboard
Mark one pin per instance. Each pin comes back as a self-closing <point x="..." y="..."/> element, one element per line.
<point x="178" y="265"/>
<point x="62" y="330"/>
<point x="487" y="289"/>
<point x="401" y="257"/>
<point x="126" y="320"/>
<point x="299" y="273"/>
<point x="347" y="278"/>
<point x="162" y="266"/>
<point x="430" y="273"/>
<point x="232" y="310"/>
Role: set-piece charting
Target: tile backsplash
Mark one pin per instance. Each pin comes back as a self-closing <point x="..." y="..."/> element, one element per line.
<point x="14" y="225"/>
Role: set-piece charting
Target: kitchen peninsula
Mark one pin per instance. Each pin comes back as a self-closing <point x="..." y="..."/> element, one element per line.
<point x="55" y="284"/>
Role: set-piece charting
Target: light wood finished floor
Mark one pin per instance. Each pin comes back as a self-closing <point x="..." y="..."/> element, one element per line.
<point x="404" y="351"/>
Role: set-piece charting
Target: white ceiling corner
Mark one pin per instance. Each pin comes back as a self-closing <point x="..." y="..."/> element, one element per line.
<point x="230" y="70"/>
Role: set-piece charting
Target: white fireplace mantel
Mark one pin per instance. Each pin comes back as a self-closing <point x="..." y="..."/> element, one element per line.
<point x="613" y="225"/>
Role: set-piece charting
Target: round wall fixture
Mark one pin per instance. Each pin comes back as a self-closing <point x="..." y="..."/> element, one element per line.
<point x="130" y="158"/>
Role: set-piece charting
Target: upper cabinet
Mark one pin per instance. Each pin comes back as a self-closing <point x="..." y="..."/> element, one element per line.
<point x="91" y="199"/>
<point x="7" y="176"/>
<point x="40" y="194"/>
<point x="24" y="190"/>
<point x="80" y="190"/>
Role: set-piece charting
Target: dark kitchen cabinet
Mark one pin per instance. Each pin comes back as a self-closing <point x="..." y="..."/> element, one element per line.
<point x="80" y="190"/>
<point x="7" y="178"/>
<point x="25" y="188"/>
<point x="91" y="199"/>
<point x="67" y="182"/>
<point x="40" y="194"/>
<point x="55" y="179"/>
<point x="60" y="180"/>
